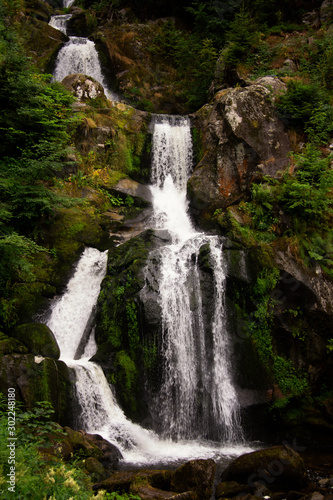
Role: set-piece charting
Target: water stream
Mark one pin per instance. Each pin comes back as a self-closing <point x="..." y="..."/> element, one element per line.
<point x="197" y="371"/>
<point x="198" y="392"/>
<point x="78" y="55"/>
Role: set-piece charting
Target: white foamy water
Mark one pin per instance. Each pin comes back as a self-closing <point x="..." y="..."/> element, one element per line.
<point x="100" y="412"/>
<point x="198" y="390"/>
<point x="78" y="55"/>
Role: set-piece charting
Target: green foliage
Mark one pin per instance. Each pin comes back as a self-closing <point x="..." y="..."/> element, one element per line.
<point x="307" y="193"/>
<point x="242" y="36"/>
<point x="211" y="19"/>
<point x="35" y="476"/>
<point x="132" y="325"/>
<point x="35" y="121"/>
<point x="291" y="382"/>
<point x="193" y="57"/>
<point x="307" y="107"/>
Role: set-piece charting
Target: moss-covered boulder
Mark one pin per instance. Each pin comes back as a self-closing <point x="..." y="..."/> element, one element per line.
<point x="191" y="481"/>
<point x="38" y="379"/>
<point x="280" y="468"/>
<point x="41" y="41"/>
<point x="9" y="345"/>
<point x="39" y="339"/>
<point x="93" y="445"/>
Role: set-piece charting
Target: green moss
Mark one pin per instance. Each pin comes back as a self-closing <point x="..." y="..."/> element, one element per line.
<point x="126" y="379"/>
<point x="292" y="383"/>
<point x="38" y="338"/>
<point x="10" y="345"/>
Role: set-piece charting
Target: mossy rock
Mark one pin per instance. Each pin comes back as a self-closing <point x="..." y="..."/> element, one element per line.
<point x="279" y="467"/>
<point x="9" y="345"/>
<point x="79" y="442"/>
<point x="39" y="339"/>
<point x="41" y="41"/>
<point x="95" y="469"/>
<point x="36" y="379"/>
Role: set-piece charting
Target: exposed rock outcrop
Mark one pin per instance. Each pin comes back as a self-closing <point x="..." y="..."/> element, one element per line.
<point x="84" y="87"/>
<point x="243" y="138"/>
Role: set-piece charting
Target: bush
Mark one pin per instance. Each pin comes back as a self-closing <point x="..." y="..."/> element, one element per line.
<point x="307" y="107"/>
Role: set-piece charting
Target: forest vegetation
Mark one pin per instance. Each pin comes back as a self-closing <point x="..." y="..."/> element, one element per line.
<point x="192" y="48"/>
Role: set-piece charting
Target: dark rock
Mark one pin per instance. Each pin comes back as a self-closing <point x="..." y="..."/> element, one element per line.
<point x="294" y="495"/>
<point x="126" y="480"/>
<point x="242" y="138"/>
<point x="311" y="19"/>
<point x="314" y="496"/>
<point x="96" y="470"/>
<point x="110" y="453"/>
<point x="197" y="476"/>
<point x="278" y="495"/>
<point x="38" y="379"/>
<point x="191" y="481"/>
<point x="230" y="489"/>
<point x="39" y="339"/>
<point x="326" y="11"/>
<point x="278" y="468"/>
<point x="93" y="445"/>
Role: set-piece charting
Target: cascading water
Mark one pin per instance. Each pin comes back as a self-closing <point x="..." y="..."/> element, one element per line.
<point x="198" y="398"/>
<point x="197" y="390"/>
<point x="78" y="55"/>
<point x="99" y="411"/>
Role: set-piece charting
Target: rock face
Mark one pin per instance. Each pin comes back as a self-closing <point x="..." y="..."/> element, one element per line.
<point x="39" y="339"/>
<point x="84" y="87"/>
<point x="38" y="379"/>
<point x="242" y="139"/>
<point x="127" y="326"/>
<point x="278" y="468"/>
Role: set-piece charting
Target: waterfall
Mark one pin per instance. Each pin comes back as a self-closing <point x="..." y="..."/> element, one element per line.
<point x="198" y="398"/>
<point x="78" y="55"/>
<point x="99" y="411"/>
<point x="197" y="394"/>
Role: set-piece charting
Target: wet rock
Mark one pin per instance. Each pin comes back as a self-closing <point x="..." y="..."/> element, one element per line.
<point x="39" y="339"/>
<point x="197" y="476"/>
<point x="230" y="489"/>
<point x="93" y="445"/>
<point x="278" y="468"/>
